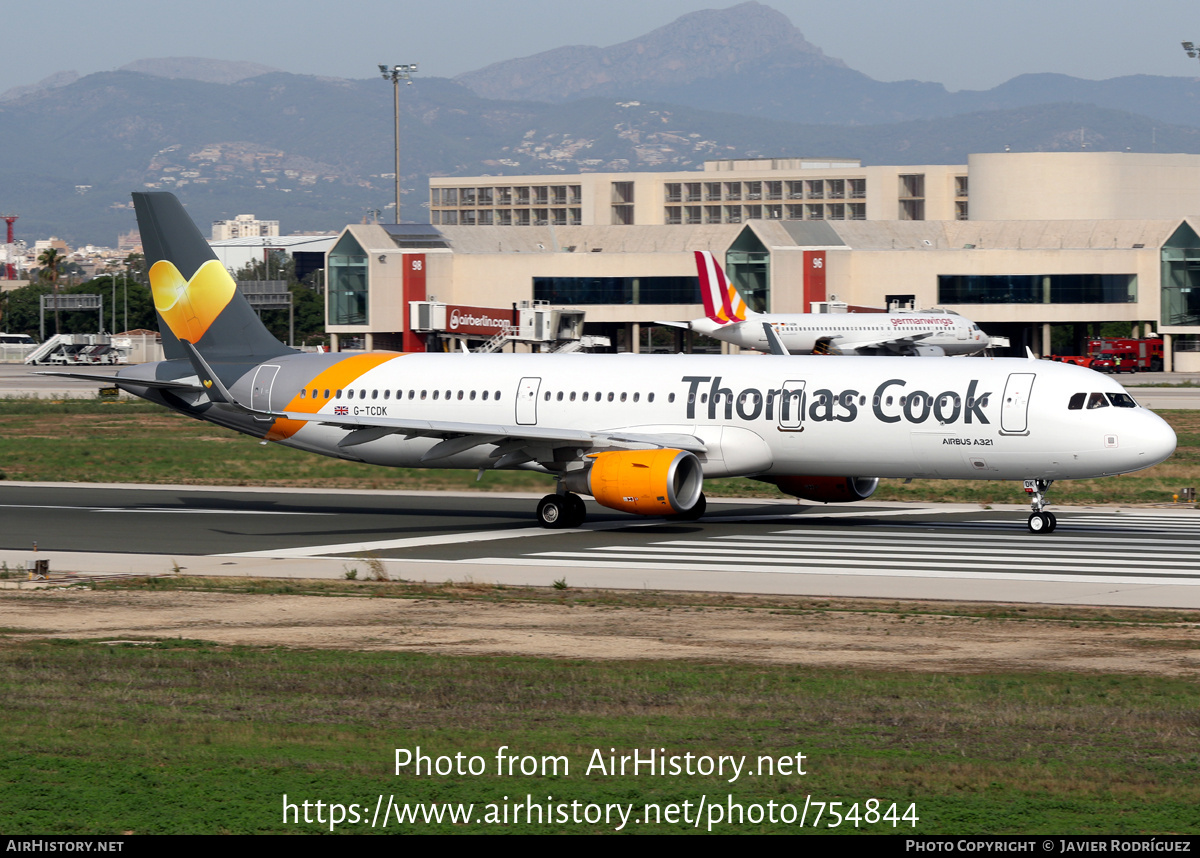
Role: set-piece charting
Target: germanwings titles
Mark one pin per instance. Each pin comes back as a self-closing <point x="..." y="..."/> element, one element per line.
<point x="638" y="433"/>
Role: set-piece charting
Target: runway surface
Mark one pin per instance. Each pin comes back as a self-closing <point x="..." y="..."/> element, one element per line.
<point x="1096" y="556"/>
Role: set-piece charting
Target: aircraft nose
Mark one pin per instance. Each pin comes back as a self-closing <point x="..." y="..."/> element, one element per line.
<point x="1157" y="441"/>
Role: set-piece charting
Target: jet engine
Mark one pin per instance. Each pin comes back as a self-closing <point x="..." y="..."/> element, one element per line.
<point x="828" y="489"/>
<point x="647" y="482"/>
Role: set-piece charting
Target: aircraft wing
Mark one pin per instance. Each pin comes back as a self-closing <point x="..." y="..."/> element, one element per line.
<point x="133" y="382"/>
<point x="893" y="345"/>
<point x="687" y="326"/>
<point x="527" y="443"/>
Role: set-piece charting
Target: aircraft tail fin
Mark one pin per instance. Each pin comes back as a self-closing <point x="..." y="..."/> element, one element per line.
<point x="194" y="296"/>
<point x="722" y="303"/>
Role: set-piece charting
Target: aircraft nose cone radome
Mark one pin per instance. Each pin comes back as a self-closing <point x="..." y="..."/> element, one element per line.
<point x="1159" y="442"/>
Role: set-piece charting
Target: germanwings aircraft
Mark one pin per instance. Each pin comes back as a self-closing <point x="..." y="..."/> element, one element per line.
<point x="638" y="433"/>
<point x="931" y="332"/>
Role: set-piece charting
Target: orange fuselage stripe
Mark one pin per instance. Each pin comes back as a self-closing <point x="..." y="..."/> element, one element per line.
<point x="337" y="377"/>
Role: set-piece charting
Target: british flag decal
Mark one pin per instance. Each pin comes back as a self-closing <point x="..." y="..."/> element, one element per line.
<point x="341" y="410"/>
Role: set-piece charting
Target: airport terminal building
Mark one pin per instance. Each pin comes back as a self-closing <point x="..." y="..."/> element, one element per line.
<point x="1018" y="242"/>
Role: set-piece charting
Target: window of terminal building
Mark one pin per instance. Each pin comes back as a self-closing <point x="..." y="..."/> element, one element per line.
<point x="754" y="212"/>
<point x="672" y="215"/>
<point x="837" y="189"/>
<point x="1038" y="289"/>
<point x="622" y="193"/>
<point x="795" y="190"/>
<point x="773" y="190"/>
<point x="794" y="211"/>
<point x="753" y="190"/>
<point x="857" y="211"/>
<point x="435" y="218"/>
<point x="814" y="211"/>
<point x="522" y="195"/>
<point x="815" y="189"/>
<point x="575" y="217"/>
<point x="466" y="217"/>
<point x="774" y="212"/>
<point x="522" y="217"/>
<point x="960" y="186"/>
<point x="712" y="191"/>
<point x="486" y="196"/>
<point x="733" y="190"/>
<point x="558" y="194"/>
<point x="622" y="215"/>
<point x="691" y="214"/>
<point x="450" y="218"/>
<point x="961" y="210"/>
<point x="673" y="192"/>
<point x="835" y="211"/>
<point x="449" y="196"/>
<point x="504" y="196"/>
<point x="858" y="189"/>
<point x="1181" y="278"/>
<point x="348" y="291"/>
<point x="733" y="214"/>
<point x="435" y="196"/>
<point x="541" y="217"/>
<point x="912" y="210"/>
<point x="504" y="217"/>
<point x="468" y="196"/>
<point x="617" y="290"/>
<point x="558" y="217"/>
<point x="541" y="196"/>
<point x="485" y="218"/>
<point x="691" y="192"/>
<point x="912" y="185"/>
<point x="712" y="214"/>
<point x="576" y="192"/>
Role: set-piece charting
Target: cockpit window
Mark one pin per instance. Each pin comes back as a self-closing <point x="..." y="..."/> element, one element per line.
<point x="1122" y="400"/>
<point x="1076" y="403"/>
<point x="1097" y="400"/>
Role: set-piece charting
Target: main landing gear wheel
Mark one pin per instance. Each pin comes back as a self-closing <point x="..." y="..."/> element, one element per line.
<point x="576" y="511"/>
<point x="558" y="511"/>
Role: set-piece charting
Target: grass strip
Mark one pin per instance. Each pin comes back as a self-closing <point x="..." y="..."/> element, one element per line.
<point x="187" y="737"/>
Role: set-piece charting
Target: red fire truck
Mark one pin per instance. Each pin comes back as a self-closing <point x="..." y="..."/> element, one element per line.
<point x="1120" y="355"/>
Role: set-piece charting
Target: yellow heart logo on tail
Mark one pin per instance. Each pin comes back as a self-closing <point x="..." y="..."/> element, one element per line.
<point x="189" y="307"/>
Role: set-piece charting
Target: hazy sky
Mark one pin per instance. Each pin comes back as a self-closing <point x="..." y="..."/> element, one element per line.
<point x="964" y="44"/>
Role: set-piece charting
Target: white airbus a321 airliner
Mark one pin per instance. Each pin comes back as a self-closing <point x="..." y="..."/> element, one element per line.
<point x="638" y="433"/>
<point x="905" y="332"/>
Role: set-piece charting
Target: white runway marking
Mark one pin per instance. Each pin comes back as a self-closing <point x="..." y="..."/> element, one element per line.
<point x="167" y="509"/>
<point x="1128" y="549"/>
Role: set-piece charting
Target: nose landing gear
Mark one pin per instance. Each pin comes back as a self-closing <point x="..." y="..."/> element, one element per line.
<point x="1039" y="520"/>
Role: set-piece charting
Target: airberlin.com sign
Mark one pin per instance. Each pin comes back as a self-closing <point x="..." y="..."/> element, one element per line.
<point x="476" y="320"/>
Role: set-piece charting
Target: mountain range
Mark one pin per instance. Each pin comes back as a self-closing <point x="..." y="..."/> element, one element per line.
<point x="316" y="152"/>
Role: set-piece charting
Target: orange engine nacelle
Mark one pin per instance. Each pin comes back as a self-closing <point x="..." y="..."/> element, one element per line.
<point x="647" y="482"/>
<point x="828" y="489"/>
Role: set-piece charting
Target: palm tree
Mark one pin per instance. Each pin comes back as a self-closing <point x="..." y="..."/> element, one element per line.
<point x="49" y="259"/>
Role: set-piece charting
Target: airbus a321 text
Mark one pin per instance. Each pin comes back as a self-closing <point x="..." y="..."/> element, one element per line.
<point x="728" y="318"/>
<point x="638" y="433"/>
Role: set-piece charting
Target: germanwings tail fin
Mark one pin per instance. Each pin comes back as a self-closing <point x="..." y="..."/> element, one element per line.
<point x="722" y="303"/>
<point x="195" y="297"/>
